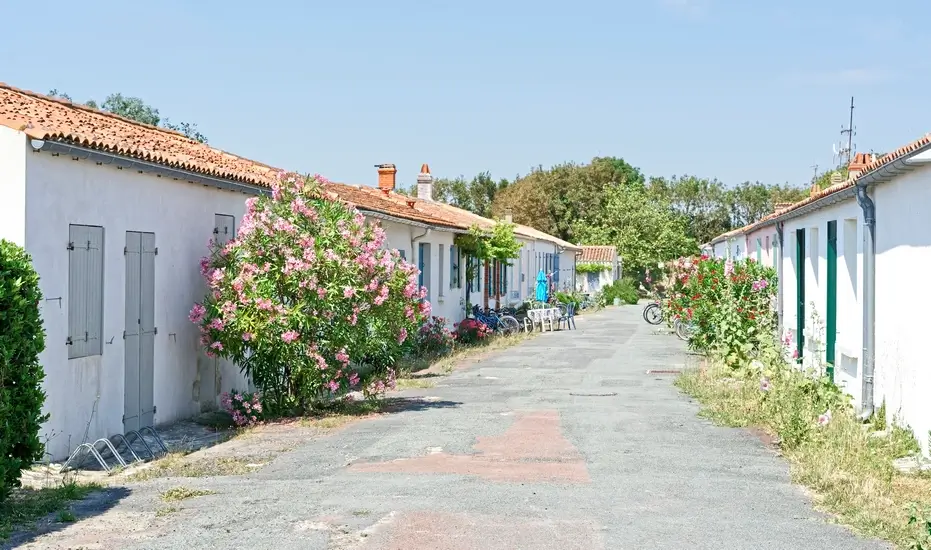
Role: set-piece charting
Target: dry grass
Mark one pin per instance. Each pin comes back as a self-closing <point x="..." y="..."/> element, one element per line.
<point x="445" y="364"/>
<point x="849" y="469"/>
<point x="420" y="383"/>
<point x="182" y="465"/>
<point x="26" y="506"/>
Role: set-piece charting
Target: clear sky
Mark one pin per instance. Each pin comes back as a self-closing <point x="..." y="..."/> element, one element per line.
<point x="738" y="90"/>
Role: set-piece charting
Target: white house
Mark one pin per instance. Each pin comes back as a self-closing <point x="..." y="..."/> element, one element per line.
<point x="603" y="258"/>
<point x="848" y="257"/>
<point x="117" y="215"/>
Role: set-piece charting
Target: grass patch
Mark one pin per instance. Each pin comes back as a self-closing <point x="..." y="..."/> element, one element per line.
<point x="26" y="506"/>
<point x="446" y="363"/>
<point x="844" y="462"/>
<point x="177" y="494"/>
<point x="181" y="465"/>
<point x="166" y="510"/>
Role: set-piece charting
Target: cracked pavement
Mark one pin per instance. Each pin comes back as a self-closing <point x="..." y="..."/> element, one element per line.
<point x="562" y="442"/>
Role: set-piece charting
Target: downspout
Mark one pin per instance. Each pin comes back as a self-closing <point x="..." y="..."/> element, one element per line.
<point x="426" y="233"/>
<point x="869" y="299"/>
<point x="780" y="240"/>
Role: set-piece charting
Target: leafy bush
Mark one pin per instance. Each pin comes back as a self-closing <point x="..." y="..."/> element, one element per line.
<point x="625" y="289"/>
<point x="592" y="267"/>
<point x="470" y="331"/>
<point x="245" y="408"/>
<point x="306" y="301"/>
<point x="434" y="338"/>
<point x="22" y="339"/>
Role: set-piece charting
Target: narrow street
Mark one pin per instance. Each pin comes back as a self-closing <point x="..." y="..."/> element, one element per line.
<point x="564" y="442"/>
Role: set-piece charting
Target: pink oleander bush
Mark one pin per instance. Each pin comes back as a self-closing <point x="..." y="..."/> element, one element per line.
<point x="307" y="301"/>
<point x="244" y="407"/>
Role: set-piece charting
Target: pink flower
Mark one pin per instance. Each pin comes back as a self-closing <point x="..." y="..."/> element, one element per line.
<point x="321" y="292"/>
<point x="728" y="267"/>
<point x="290" y="336"/>
<point x="216" y="323"/>
<point x="247" y="336"/>
<point x="217" y="346"/>
<point x="765" y="385"/>
<point x="825" y="418"/>
<point x="354" y="379"/>
<point x="197" y="313"/>
<point x="333" y="385"/>
<point x="402" y="335"/>
<point x="349" y="292"/>
<point x="342" y="356"/>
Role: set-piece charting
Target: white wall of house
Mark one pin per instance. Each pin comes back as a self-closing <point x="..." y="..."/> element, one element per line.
<point x="849" y="289"/>
<point x="763" y="245"/>
<point x="719" y="249"/>
<point x="88" y="392"/>
<point x="737" y="247"/>
<point x="595" y="281"/>
<point x="447" y="300"/>
<point x="903" y="256"/>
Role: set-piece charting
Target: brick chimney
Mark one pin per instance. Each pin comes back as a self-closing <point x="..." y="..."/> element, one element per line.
<point x="859" y="162"/>
<point x="425" y="184"/>
<point x="386" y="176"/>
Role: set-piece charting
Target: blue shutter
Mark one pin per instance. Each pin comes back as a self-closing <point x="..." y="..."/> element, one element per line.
<point x="556" y="268"/>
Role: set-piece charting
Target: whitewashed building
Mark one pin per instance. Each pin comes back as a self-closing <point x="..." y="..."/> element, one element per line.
<point x="850" y="260"/>
<point x="607" y="261"/>
<point x="116" y="216"/>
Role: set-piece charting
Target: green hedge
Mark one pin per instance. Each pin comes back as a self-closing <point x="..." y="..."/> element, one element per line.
<point x="22" y="338"/>
<point x="625" y="289"/>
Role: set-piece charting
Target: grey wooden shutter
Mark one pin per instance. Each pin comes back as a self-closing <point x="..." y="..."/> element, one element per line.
<point x="77" y="296"/>
<point x="94" y="291"/>
<point x="224" y="229"/>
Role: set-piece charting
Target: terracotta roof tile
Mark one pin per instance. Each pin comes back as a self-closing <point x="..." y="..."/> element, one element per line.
<point x="598" y="253"/>
<point x="369" y="198"/>
<point x="46" y="118"/>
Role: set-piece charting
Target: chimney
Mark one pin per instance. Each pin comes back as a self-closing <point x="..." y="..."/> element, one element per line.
<point x="425" y="184"/>
<point x="509" y="216"/>
<point x="386" y="176"/>
<point x="859" y="162"/>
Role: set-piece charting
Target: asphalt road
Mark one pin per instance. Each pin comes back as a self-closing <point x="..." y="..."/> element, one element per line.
<point x="563" y="442"/>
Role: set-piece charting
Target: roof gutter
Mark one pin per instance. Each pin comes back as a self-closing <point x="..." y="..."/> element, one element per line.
<point x="159" y="170"/>
<point x="386" y="217"/>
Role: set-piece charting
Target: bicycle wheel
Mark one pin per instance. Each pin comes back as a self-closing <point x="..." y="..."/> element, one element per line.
<point x="653" y="314"/>
<point x="509" y="325"/>
<point x="684" y="330"/>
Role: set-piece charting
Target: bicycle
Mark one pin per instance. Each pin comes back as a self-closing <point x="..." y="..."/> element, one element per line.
<point x="502" y="324"/>
<point x="653" y="311"/>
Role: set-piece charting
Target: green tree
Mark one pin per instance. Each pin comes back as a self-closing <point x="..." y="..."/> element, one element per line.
<point x="475" y="195"/>
<point x="135" y="108"/>
<point x="644" y="230"/>
<point x="703" y="202"/>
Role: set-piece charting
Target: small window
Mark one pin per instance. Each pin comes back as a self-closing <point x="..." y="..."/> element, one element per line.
<point x="454" y="259"/>
<point x="403" y="254"/>
<point x="85" y="291"/>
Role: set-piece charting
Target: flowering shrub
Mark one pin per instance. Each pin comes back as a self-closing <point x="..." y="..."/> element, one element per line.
<point x="470" y="331"/>
<point x="305" y="299"/>
<point x="434" y="338"/>
<point x="729" y="303"/>
<point x="245" y="408"/>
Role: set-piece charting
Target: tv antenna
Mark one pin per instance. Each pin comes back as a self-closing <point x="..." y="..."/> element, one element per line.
<point x="843" y="152"/>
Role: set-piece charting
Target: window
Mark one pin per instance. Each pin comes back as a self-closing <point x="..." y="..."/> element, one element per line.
<point x="403" y="254"/>
<point x="497" y="279"/>
<point x="455" y="258"/>
<point x="85" y="291"/>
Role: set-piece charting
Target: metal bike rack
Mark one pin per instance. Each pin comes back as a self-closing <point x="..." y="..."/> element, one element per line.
<point x="79" y="456"/>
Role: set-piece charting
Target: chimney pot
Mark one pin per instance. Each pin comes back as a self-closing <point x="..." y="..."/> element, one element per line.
<point x="425" y="184"/>
<point x="387" y="174"/>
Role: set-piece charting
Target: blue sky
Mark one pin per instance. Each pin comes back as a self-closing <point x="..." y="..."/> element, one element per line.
<point x="726" y="89"/>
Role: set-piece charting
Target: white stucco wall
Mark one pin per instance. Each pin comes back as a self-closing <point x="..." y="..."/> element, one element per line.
<point x="12" y="185"/>
<point x="764" y="237"/>
<point x="903" y="257"/>
<point x="61" y="191"/>
<point x="849" y="288"/>
<point x="447" y="303"/>
<point x="719" y="249"/>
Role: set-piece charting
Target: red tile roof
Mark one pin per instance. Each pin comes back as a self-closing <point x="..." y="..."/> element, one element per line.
<point x="858" y="163"/>
<point x="598" y="254"/>
<point x="46" y="118"/>
<point x="370" y="198"/>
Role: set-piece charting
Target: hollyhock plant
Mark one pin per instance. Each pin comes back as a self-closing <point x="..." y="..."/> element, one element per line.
<point x="307" y="300"/>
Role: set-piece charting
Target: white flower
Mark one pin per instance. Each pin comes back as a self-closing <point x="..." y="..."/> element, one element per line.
<point x="756" y="365"/>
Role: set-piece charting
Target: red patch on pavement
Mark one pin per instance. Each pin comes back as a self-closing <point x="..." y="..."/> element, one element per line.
<point x="532" y="449"/>
<point x="442" y="531"/>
